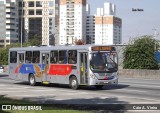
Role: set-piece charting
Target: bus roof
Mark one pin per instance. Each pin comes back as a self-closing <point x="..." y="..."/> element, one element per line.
<point x="62" y="47"/>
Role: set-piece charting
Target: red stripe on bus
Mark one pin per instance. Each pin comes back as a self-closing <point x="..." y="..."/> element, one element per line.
<point x="63" y="70"/>
<point x="17" y="69"/>
<point x="105" y="78"/>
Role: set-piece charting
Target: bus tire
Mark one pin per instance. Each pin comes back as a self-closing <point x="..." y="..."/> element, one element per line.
<point x="98" y="86"/>
<point x="73" y="82"/>
<point x="32" y="80"/>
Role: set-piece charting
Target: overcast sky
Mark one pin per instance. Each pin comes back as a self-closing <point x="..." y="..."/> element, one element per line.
<point x="134" y="23"/>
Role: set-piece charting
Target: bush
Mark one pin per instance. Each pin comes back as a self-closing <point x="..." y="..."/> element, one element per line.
<point x="141" y="54"/>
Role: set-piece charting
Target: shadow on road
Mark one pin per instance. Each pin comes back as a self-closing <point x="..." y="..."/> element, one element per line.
<point x="4" y="75"/>
<point x="96" y="105"/>
<point x="92" y="88"/>
<point x="99" y="105"/>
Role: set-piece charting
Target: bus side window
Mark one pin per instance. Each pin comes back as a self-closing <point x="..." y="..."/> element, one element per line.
<point x="54" y="57"/>
<point x="21" y="58"/>
<point x="72" y="56"/>
<point x="36" y="57"/>
<point x="13" y="57"/>
<point x="28" y="57"/>
<point x="62" y="57"/>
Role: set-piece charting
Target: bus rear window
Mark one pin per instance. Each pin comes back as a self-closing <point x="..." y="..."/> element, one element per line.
<point x="13" y="57"/>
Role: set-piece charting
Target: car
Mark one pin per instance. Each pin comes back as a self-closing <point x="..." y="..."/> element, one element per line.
<point x="1" y="68"/>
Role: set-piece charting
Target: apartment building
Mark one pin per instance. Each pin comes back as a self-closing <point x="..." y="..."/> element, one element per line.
<point x="72" y="21"/>
<point x="41" y="19"/>
<point x="90" y="26"/>
<point x="108" y="27"/>
<point x="8" y="22"/>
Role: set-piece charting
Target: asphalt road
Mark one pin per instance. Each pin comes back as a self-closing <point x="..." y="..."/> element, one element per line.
<point x="129" y="91"/>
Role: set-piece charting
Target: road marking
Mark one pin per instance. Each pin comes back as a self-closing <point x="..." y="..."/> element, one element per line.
<point x="123" y="78"/>
<point x="13" y="91"/>
<point x="139" y="98"/>
<point x="131" y="90"/>
<point x="3" y="85"/>
<point x="151" y="86"/>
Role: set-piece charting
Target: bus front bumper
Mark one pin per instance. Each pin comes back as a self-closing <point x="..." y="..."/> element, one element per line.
<point x="105" y="82"/>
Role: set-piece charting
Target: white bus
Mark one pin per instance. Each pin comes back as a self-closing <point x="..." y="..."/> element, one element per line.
<point x="74" y="65"/>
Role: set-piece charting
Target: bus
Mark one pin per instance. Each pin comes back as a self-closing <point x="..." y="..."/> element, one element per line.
<point x="74" y="65"/>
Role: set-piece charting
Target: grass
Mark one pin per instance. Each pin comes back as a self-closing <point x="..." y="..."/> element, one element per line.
<point x="48" y="109"/>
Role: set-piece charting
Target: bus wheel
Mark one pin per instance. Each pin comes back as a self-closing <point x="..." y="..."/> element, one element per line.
<point x="32" y="80"/>
<point x="73" y="83"/>
<point x="99" y="86"/>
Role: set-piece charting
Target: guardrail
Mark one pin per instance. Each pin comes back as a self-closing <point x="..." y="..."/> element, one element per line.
<point x="140" y="73"/>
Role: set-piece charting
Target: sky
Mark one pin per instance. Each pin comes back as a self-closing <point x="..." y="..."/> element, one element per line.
<point x="137" y="23"/>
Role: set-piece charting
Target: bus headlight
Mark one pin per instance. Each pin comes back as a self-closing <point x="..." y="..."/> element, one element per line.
<point x="93" y="76"/>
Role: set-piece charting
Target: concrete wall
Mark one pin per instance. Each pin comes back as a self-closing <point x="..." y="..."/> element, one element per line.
<point x="140" y="73"/>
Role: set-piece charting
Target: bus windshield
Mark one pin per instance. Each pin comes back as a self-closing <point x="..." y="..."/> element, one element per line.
<point x="101" y="62"/>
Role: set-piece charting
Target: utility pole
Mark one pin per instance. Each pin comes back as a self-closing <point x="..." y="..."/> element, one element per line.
<point x="5" y="41"/>
<point x="155" y="36"/>
<point x="21" y="23"/>
<point x="155" y="33"/>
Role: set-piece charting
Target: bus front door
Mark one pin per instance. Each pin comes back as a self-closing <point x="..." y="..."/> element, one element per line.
<point x="83" y="56"/>
<point x="44" y="65"/>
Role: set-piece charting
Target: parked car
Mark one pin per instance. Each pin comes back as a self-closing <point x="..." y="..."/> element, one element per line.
<point x="1" y="68"/>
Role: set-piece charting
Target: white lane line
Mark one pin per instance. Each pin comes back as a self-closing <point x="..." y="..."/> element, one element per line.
<point x="32" y="95"/>
<point x="30" y="91"/>
<point x="132" y="84"/>
<point x="151" y="86"/>
<point x="13" y="91"/>
<point x="139" y="98"/>
<point x="3" y="85"/>
<point x="9" y="88"/>
<point x="124" y="78"/>
<point x="130" y="90"/>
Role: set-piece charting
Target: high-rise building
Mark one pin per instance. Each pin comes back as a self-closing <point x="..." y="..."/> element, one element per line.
<point x="108" y="27"/>
<point x="90" y="26"/>
<point x="41" y="19"/>
<point x="8" y="22"/>
<point x="72" y="21"/>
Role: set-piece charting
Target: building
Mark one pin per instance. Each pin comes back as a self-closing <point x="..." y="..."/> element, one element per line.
<point x="90" y="26"/>
<point x="8" y="22"/>
<point x="72" y="21"/>
<point x="108" y="27"/>
<point x="41" y="19"/>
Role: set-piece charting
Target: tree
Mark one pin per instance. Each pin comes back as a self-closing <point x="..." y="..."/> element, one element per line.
<point x="4" y="52"/>
<point x="141" y="54"/>
<point x="80" y="42"/>
<point x="4" y="56"/>
<point x="34" y="41"/>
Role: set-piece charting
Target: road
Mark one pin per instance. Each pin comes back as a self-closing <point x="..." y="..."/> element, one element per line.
<point x="129" y="91"/>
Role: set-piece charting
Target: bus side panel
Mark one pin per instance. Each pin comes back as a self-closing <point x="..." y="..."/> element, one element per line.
<point x="22" y="71"/>
<point x="12" y="68"/>
<point x="32" y="69"/>
<point x="61" y="73"/>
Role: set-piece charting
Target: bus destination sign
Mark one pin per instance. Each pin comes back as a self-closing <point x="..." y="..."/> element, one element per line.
<point x="103" y="48"/>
